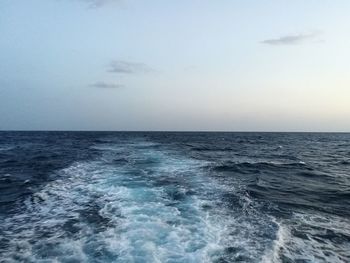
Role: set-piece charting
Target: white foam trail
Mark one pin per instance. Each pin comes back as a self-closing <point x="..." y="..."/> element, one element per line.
<point x="306" y="244"/>
<point x="154" y="207"/>
<point x="274" y="254"/>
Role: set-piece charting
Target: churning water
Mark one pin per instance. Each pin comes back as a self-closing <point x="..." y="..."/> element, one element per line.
<point x="174" y="197"/>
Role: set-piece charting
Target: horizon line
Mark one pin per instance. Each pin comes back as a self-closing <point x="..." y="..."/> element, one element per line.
<point x="176" y="131"/>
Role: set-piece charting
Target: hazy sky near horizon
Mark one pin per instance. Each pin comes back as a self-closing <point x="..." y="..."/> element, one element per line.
<point x="272" y="65"/>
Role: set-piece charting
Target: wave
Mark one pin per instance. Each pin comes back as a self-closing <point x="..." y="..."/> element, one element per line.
<point x="259" y="166"/>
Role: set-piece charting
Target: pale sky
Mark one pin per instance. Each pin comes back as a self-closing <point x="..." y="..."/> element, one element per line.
<point x="217" y="65"/>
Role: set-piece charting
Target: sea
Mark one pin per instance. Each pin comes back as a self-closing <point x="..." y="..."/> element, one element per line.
<point x="174" y="197"/>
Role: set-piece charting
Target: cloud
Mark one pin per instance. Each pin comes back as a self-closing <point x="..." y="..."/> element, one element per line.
<point x="99" y="3"/>
<point x="104" y="85"/>
<point x="291" y="39"/>
<point x="121" y="67"/>
<point x="124" y="67"/>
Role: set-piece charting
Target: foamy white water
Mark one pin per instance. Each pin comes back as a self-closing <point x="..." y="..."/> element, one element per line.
<point x="156" y="207"/>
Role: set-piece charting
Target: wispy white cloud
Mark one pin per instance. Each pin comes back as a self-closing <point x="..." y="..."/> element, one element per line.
<point x="121" y="67"/>
<point x="105" y="85"/>
<point x="125" y="67"/>
<point x="99" y="3"/>
<point x="292" y="39"/>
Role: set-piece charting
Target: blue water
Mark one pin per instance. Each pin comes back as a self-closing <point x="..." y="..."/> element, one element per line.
<point x="174" y="197"/>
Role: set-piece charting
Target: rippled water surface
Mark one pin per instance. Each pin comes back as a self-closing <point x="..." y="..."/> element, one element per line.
<point x="174" y="197"/>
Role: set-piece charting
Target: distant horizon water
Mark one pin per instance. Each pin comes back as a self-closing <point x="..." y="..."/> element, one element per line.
<point x="179" y="131"/>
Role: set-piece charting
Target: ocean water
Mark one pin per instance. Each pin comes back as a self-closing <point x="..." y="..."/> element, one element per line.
<point x="174" y="197"/>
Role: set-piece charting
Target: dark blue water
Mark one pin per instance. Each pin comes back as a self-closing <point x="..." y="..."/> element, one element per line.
<point x="174" y="197"/>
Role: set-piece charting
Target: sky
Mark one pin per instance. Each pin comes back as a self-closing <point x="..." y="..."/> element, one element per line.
<point x="175" y="65"/>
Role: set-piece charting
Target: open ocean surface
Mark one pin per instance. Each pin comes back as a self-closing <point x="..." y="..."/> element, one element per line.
<point x="174" y="197"/>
